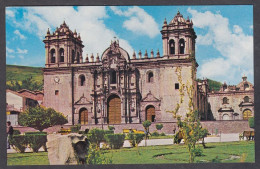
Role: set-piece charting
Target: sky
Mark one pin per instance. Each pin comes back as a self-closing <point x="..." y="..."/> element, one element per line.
<point x="224" y="44"/>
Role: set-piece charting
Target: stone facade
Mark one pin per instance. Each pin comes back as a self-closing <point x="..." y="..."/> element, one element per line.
<point x="117" y="89"/>
<point x="232" y="102"/>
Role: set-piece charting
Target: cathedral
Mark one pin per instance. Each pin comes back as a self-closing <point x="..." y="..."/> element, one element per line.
<point x="116" y="88"/>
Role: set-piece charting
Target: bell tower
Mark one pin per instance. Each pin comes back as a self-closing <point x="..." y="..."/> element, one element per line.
<point x="178" y="37"/>
<point x="62" y="47"/>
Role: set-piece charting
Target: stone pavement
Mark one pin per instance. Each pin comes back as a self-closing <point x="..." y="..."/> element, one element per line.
<point x="153" y="142"/>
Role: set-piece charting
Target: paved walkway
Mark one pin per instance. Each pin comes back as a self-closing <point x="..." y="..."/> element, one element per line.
<point x="153" y="142"/>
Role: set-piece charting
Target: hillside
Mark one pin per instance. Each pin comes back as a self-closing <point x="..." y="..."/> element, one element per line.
<point x="26" y="77"/>
<point x="213" y="85"/>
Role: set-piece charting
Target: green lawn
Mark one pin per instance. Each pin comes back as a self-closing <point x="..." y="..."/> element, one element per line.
<point x="227" y="153"/>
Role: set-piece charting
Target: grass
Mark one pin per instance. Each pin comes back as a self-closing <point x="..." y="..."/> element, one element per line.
<point x="232" y="152"/>
<point x="20" y="73"/>
<point x="40" y="158"/>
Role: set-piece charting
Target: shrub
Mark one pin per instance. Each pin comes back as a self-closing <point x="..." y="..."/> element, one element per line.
<point x="16" y="132"/>
<point x="197" y="152"/>
<point x="95" y="156"/>
<point x="36" y="141"/>
<point x="159" y="126"/>
<point x="135" y="139"/>
<point x="251" y="122"/>
<point x="96" y="136"/>
<point x="115" y="141"/>
<point x="111" y="127"/>
<point x="162" y="134"/>
<point x="155" y="133"/>
<point x="74" y="129"/>
<point x="19" y="142"/>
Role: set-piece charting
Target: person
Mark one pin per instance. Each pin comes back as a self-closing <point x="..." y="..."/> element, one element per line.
<point x="9" y="132"/>
<point x="174" y="129"/>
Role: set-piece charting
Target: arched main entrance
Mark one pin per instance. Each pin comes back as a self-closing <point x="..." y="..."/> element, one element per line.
<point x="83" y="116"/>
<point x="150" y="113"/>
<point x="114" y="110"/>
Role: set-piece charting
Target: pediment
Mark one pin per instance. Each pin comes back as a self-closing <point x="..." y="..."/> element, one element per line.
<point x="82" y="100"/>
<point x="150" y="98"/>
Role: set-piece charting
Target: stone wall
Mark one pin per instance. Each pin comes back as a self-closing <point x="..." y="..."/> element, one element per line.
<point x="230" y="126"/>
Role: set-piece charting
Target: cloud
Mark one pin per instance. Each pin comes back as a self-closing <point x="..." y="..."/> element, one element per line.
<point x="234" y="46"/>
<point x="21" y="56"/>
<point x="251" y="27"/>
<point x="8" y="50"/>
<point x="22" y="51"/>
<point x="10" y="13"/>
<point x="88" y="21"/>
<point x="18" y="33"/>
<point x="139" y="21"/>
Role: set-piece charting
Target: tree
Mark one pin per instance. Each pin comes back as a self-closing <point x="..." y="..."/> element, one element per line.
<point x="41" y="118"/>
<point x="189" y="126"/>
<point x="251" y="122"/>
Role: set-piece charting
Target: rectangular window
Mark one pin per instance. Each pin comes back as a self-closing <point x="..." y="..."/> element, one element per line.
<point x="56" y="92"/>
<point x="176" y="85"/>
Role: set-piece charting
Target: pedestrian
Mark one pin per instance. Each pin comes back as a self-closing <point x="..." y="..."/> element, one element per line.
<point x="9" y="132"/>
<point x="174" y="129"/>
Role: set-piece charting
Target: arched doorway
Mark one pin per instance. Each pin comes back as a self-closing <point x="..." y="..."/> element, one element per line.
<point x="150" y="113"/>
<point x="225" y="117"/>
<point x="114" y="110"/>
<point x="83" y="116"/>
<point x="247" y="114"/>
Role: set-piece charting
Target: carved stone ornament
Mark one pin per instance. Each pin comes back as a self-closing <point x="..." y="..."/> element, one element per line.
<point x="150" y="98"/>
<point x="82" y="100"/>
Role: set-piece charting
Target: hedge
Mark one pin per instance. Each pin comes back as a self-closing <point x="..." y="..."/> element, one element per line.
<point x="135" y="139"/>
<point x="32" y="139"/>
<point x="36" y="141"/>
<point x="96" y="136"/>
<point x="19" y="142"/>
<point x="36" y="132"/>
<point x="16" y="132"/>
<point x="115" y="141"/>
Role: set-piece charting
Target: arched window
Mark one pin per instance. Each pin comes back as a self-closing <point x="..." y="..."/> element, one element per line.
<point x="113" y="77"/>
<point x="182" y="46"/>
<point x="53" y="56"/>
<point x="246" y="99"/>
<point x="247" y="114"/>
<point x="172" y="46"/>
<point x="246" y="86"/>
<point x="225" y="100"/>
<point x="78" y="57"/>
<point x="61" y="55"/>
<point x="82" y="80"/>
<point x="150" y="77"/>
<point x="73" y="56"/>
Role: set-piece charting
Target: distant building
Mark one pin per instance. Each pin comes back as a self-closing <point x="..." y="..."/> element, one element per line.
<point x="17" y="102"/>
<point x="234" y="102"/>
